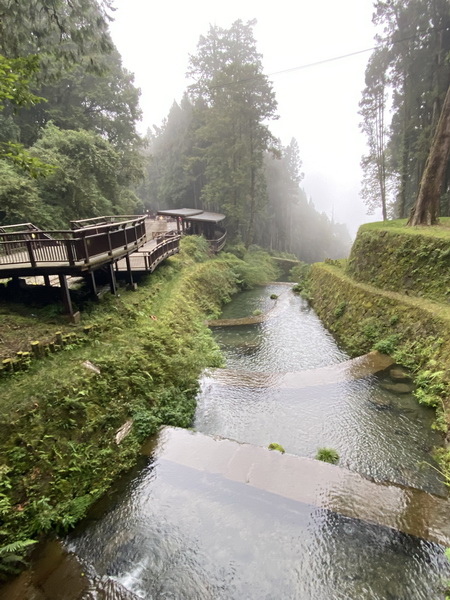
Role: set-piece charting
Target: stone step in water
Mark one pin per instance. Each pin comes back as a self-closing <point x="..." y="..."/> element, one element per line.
<point x="311" y="482"/>
<point x="356" y="368"/>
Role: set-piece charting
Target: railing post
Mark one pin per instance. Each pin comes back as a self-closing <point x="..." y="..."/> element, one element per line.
<point x="86" y="250"/>
<point x="29" y="244"/>
<point x="69" y="250"/>
<point x="109" y="243"/>
<point x="125" y="236"/>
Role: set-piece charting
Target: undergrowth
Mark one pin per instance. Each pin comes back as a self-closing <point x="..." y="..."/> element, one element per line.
<point x="300" y="275"/>
<point x="58" y="420"/>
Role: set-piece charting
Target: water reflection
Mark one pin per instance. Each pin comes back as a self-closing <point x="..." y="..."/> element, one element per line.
<point x="180" y="533"/>
<point x="381" y="434"/>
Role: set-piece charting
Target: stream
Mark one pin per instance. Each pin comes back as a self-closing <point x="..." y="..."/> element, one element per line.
<point x="172" y="529"/>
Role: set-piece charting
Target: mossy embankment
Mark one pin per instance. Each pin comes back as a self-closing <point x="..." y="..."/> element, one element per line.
<point x="60" y="418"/>
<point x="391" y="296"/>
<point x="410" y="260"/>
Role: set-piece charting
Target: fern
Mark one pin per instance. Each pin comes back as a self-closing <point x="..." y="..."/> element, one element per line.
<point x="15" y="547"/>
<point x="11" y="555"/>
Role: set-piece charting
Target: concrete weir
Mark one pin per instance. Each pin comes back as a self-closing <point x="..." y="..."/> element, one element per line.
<point x="356" y="368"/>
<point x="312" y="482"/>
<point x="279" y="305"/>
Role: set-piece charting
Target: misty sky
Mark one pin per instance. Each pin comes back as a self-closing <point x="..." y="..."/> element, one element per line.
<point x="316" y="105"/>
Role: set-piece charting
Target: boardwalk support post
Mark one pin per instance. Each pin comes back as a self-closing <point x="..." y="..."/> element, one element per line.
<point x="131" y="285"/>
<point x="65" y="294"/>
<point x="92" y="283"/>
<point x="112" y="279"/>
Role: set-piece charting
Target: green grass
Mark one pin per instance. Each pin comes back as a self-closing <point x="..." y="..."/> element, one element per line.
<point x="442" y="230"/>
<point x="277" y="447"/>
<point x="327" y="455"/>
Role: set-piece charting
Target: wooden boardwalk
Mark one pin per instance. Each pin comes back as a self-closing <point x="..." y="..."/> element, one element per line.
<point x="162" y="241"/>
<point x="26" y="250"/>
<point x="115" y="244"/>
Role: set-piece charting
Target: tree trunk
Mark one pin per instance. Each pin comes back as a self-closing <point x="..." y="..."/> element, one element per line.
<point x="426" y="208"/>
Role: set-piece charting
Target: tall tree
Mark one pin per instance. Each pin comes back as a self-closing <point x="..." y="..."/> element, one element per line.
<point x="416" y="45"/>
<point x="169" y="172"/>
<point x="89" y="177"/>
<point x="291" y="223"/>
<point x="373" y="110"/>
<point x="58" y="30"/>
<point x="106" y="103"/>
<point x="426" y="209"/>
<point x="237" y="100"/>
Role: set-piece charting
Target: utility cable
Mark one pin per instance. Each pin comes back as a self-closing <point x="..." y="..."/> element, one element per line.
<point x="326" y="60"/>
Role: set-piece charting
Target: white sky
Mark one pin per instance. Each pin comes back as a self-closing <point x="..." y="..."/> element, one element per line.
<point x="317" y="105"/>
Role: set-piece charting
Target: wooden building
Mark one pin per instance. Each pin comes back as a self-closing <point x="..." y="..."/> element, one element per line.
<point x="193" y="221"/>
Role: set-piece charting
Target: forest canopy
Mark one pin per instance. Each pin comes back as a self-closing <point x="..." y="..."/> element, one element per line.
<point x="215" y="151"/>
<point x="69" y="147"/>
<point x="407" y="78"/>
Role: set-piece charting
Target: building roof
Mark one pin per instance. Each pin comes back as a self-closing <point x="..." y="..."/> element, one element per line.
<point x="207" y="217"/>
<point x="193" y="214"/>
<point x="180" y="212"/>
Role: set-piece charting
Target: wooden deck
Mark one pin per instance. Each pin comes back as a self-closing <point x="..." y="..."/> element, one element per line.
<point x="31" y="251"/>
<point x="117" y="244"/>
<point x="147" y="258"/>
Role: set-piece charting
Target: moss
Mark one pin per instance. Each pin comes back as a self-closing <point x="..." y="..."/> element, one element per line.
<point x="277" y="447"/>
<point x="414" y="331"/>
<point x="410" y="260"/>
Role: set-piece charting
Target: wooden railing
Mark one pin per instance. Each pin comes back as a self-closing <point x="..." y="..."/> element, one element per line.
<point x="217" y="244"/>
<point x="69" y="247"/>
<point x="168" y="243"/>
<point x="104" y="220"/>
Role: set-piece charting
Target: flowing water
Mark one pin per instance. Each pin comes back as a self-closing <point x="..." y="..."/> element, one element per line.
<point x="191" y="524"/>
<point x="376" y="432"/>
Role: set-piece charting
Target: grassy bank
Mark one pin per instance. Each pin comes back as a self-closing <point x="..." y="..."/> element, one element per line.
<point x="409" y="260"/>
<point x="369" y="305"/>
<point x="59" y="418"/>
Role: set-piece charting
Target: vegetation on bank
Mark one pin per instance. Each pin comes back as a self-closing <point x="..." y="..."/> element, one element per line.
<point x="410" y="260"/>
<point x="370" y="304"/>
<point x="59" y="419"/>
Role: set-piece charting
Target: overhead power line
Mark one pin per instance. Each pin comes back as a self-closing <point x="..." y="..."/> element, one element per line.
<point x="321" y="62"/>
<point x="330" y="59"/>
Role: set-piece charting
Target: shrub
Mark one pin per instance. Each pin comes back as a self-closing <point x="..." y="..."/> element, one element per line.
<point x="387" y="345"/>
<point x="327" y="455"/>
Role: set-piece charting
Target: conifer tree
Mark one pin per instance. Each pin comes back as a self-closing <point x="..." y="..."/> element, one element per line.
<point x="236" y="99"/>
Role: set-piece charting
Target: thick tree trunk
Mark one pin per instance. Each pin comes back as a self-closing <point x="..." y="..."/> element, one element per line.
<point x="426" y="208"/>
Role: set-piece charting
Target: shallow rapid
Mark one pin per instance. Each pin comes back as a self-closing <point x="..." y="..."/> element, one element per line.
<point x="178" y="532"/>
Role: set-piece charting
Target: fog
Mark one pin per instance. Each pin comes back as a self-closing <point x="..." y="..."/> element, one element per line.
<point x="317" y="104"/>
